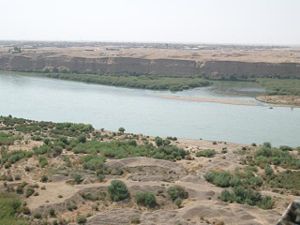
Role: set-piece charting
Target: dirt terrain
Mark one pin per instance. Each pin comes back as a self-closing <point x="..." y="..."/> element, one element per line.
<point x="280" y="99"/>
<point x="69" y="199"/>
<point x="211" y="61"/>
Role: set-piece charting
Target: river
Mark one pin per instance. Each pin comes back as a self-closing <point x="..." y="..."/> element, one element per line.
<point x="199" y="113"/>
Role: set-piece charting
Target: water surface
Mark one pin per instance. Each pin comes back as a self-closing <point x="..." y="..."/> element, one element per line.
<point x="147" y="112"/>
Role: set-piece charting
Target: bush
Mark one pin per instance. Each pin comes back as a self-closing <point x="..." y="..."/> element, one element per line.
<point x="269" y="171"/>
<point x="158" y="141"/>
<point x="124" y="149"/>
<point x="209" y="153"/>
<point x="44" y="179"/>
<point x="243" y="195"/>
<point x="43" y="161"/>
<point x="71" y="206"/>
<point x="118" y="191"/>
<point x="10" y="205"/>
<point x="37" y="216"/>
<point x="288" y="180"/>
<point x="6" y="139"/>
<point x="81" y="139"/>
<point x="220" y="179"/>
<point x="81" y="220"/>
<point x="285" y="148"/>
<point x="178" y="202"/>
<point x="146" y="199"/>
<point x="93" y="162"/>
<point x="276" y="156"/>
<point x="246" y="178"/>
<point x="122" y="130"/>
<point x="52" y="212"/>
<point x="9" y="158"/>
<point x="29" y="192"/>
<point x="177" y="192"/>
<point x="77" y="178"/>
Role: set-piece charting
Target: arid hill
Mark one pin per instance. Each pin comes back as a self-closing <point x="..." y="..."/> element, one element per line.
<point x="64" y="173"/>
<point x="216" y="62"/>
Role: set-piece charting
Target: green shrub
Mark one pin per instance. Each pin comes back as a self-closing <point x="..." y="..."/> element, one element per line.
<point x="178" y="202"/>
<point x="10" y="206"/>
<point x="37" y="215"/>
<point x="71" y="206"/>
<point x="244" y="195"/>
<point x="118" y="191"/>
<point x="52" y="212"/>
<point x="289" y="180"/>
<point x="209" y="153"/>
<point x="219" y="178"/>
<point x="81" y="139"/>
<point x="246" y="178"/>
<point x="29" y="192"/>
<point x="146" y="199"/>
<point x="81" y="219"/>
<point x="77" y="178"/>
<point x="177" y="192"/>
<point x="285" y="148"/>
<point x="269" y="171"/>
<point x="281" y="157"/>
<point x="93" y="162"/>
<point x="142" y="81"/>
<point x="158" y="141"/>
<point x="44" y="179"/>
<point x="14" y="156"/>
<point x="43" y="161"/>
<point x="124" y="149"/>
<point x="122" y="130"/>
<point x="7" y="139"/>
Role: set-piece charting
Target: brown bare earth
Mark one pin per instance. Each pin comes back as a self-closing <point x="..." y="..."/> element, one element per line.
<point x="89" y="198"/>
<point x="280" y="99"/>
<point x="212" y="61"/>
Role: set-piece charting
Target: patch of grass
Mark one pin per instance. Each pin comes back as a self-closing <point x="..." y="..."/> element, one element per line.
<point x="71" y="129"/>
<point x="14" y="156"/>
<point x="281" y="86"/>
<point x="124" y="149"/>
<point x="7" y="139"/>
<point x="277" y="156"/>
<point x="288" y="180"/>
<point x="209" y="153"/>
<point x="248" y="196"/>
<point x="93" y="162"/>
<point x="246" y="178"/>
<point x="43" y="161"/>
<point x="141" y="82"/>
<point x="10" y="207"/>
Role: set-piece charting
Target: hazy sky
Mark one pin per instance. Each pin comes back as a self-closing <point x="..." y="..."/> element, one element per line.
<point x="200" y="21"/>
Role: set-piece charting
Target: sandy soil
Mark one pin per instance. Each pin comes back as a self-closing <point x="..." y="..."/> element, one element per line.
<point x="147" y="51"/>
<point x="229" y="101"/>
<point x="287" y="100"/>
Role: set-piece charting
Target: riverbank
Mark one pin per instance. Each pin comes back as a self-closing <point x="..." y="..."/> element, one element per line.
<point x="139" y="82"/>
<point x="229" y="101"/>
<point x="280" y="100"/>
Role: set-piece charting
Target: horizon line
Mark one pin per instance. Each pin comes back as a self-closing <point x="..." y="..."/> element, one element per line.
<point x="154" y="42"/>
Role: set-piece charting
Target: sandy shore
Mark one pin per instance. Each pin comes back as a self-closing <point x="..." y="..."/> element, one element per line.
<point x="229" y="101"/>
<point x="283" y="100"/>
